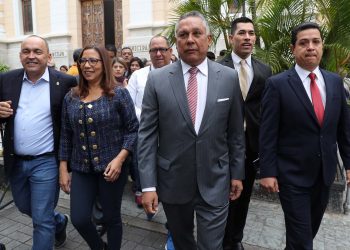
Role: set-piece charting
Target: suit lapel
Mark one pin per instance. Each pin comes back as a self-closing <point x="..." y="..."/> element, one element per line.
<point x="329" y="95"/>
<point x="228" y="61"/>
<point x="177" y="83"/>
<point x="54" y="88"/>
<point x="213" y="77"/>
<point x="17" y="88"/>
<point x="255" y="83"/>
<point x="298" y="87"/>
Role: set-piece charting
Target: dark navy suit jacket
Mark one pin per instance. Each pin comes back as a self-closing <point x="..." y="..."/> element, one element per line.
<point x="293" y="146"/>
<point x="10" y="89"/>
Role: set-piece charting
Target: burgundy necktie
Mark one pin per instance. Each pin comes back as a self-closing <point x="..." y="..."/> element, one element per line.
<point x="192" y="93"/>
<point x="316" y="99"/>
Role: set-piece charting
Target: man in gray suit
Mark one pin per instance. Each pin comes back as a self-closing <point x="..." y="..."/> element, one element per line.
<point x="191" y="139"/>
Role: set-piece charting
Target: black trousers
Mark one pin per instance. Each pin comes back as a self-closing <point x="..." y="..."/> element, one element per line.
<point x="84" y="189"/>
<point x="238" y="209"/>
<point x="303" y="212"/>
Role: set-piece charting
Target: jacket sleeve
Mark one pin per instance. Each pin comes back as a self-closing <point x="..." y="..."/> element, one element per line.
<point x="269" y="130"/>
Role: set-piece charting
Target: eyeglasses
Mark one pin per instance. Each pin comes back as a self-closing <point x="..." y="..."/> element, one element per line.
<point x="161" y="50"/>
<point x="92" y="61"/>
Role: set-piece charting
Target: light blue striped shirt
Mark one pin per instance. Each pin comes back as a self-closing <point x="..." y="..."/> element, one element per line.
<point x="33" y="129"/>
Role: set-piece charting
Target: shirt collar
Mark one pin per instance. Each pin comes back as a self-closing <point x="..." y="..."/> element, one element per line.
<point x="237" y="60"/>
<point x="203" y="67"/>
<point x="303" y="73"/>
<point x="45" y="76"/>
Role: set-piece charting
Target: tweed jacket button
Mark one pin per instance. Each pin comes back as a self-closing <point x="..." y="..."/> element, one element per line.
<point x="89" y="106"/>
<point x="83" y="147"/>
<point x="80" y="121"/>
<point x="80" y="106"/>
<point x="93" y="133"/>
<point x="94" y="146"/>
<point x="96" y="159"/>
<point x="82" y="134"/>
<point x="90" y="120"/>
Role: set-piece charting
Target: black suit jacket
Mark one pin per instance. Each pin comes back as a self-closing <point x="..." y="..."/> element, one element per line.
<point x="252" y="104"/>
<point x="293" y="146"/>
<point x="10" y="89"/>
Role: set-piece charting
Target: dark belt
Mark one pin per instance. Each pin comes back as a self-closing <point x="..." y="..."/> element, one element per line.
<point x="32" y="157"/>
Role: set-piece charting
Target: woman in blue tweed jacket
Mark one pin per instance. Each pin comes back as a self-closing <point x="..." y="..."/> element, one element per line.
<point x="99" y="129"/>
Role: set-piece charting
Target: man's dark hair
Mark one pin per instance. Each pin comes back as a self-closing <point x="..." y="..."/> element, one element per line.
<point x="242" y="19"/>
<point x="111" y="47"/>
<point x="124" y="48"/>
<point x="211" y="55"/>
<point x="222" y="52"/>
<point x="301" y="27"/>
<point x="76" y="54"/>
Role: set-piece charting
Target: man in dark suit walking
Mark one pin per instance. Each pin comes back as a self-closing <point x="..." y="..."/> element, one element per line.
<point x="304" y="118"/>
<point x="191" y="139"/>
<point x="30" y="108"/>
<point x="252" y="74"/>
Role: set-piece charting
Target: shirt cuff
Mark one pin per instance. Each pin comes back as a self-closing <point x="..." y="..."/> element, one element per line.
<point x="150" y="189"/>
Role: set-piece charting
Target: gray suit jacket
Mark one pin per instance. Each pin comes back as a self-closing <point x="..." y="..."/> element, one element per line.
<point x="172" y="157"/>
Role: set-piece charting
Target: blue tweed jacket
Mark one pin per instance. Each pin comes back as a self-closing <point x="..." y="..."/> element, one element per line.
<point x="93" y="133"/>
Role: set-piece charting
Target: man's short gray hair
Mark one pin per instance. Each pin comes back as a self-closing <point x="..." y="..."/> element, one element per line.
<point x="45" y="41"/>
<point x="193" y="14"/>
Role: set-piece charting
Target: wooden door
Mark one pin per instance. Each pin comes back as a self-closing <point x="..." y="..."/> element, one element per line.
<point x="92" y="16"/>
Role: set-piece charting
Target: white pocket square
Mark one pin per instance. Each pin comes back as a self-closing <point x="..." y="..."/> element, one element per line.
<point x="223" y="99"/>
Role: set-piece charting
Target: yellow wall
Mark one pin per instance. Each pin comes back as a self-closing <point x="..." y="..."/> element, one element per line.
<point x="42" y="12"/>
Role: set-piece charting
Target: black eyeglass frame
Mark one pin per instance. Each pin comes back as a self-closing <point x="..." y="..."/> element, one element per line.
<point x="92" y="61"/>
<point x="161" y="50"/>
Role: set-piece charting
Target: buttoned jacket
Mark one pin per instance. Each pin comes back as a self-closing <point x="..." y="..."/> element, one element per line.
<point x="93" y="133"/>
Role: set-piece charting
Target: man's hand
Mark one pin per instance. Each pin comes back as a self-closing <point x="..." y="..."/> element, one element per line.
<point x="150" y="202"/>
<point x="270" y="184"/>
<point x="5" y="109"/>
<point x="236" y="189"/>
<point x="348" y="177"/>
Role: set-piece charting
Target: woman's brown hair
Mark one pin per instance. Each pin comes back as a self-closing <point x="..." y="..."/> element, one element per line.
<point x="107" y="83"/>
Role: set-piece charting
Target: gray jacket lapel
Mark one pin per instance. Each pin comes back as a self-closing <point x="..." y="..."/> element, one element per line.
<point x="178" y="86"/>
<point x="213" y="77"/>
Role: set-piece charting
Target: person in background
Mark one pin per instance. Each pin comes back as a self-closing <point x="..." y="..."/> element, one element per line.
<point x="126" y="54"/>
<point x="119" y="67"/>
<point x="30" y="107"/>
<point x="305" y="119"/>
<point x="191" y="139"/>
<point x="63" y="68"/>
<point x="173" y="58"/>
<point x="73" y="70"/>
<point x="160" y="54"/>
<point x="99" y="129"/>
<point x="252" y="77"/>
<point x="211" y="55"/>
<point x="135" y="64"/>
<point x="111" y="50"/>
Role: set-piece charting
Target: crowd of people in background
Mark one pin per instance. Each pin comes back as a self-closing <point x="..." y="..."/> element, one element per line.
<point x="190" y="131"/>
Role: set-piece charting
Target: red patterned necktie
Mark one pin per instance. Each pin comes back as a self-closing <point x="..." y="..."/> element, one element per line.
<point x="316" y="99"/>
<point x="192" y="93"/>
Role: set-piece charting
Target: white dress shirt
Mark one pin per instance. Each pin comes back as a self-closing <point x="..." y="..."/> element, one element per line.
<point x="237" y="63"/>
<point x="304" y="77"/>
<point x="136" y="87"/>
